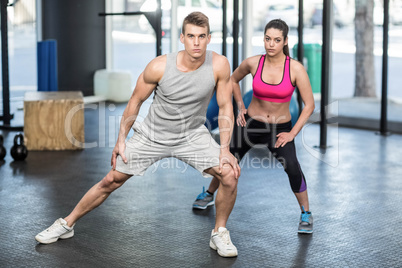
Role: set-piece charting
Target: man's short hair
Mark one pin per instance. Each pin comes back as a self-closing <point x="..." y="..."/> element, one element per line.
<point x="196" y="18"/>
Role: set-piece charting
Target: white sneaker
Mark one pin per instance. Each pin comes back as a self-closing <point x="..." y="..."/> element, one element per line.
<point x="221" y="242"/>
<point x="58" y="229"/>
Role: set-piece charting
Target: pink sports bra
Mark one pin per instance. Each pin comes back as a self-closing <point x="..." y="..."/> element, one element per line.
<point x="281" y="92"/>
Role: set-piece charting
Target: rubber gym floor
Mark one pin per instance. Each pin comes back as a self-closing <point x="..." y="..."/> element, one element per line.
<point x="354" y="187"/>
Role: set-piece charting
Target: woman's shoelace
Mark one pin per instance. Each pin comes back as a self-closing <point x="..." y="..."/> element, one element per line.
<point x="305" y="217"/>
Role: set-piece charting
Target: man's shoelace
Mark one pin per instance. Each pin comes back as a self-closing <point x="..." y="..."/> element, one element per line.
<point x="54" y="226"/>
<point x="225" y="237"/>
<point x="203" y="194"/>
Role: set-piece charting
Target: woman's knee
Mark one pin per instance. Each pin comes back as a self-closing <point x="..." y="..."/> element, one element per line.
<point x="297" y="182"/>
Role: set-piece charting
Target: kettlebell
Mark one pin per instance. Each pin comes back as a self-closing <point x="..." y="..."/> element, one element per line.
<point x="3" y="150"/>
<point x="19" y="151"/>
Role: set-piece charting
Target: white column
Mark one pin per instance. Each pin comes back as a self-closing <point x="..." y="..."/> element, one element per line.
<point x="247" y="46"/>
<point x="108" y="35"/>
<point x="174" y="35"/>
<point x="38" y="20"/>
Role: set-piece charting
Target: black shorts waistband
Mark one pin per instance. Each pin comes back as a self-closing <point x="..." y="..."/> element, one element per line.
<point x="254" y="123"/>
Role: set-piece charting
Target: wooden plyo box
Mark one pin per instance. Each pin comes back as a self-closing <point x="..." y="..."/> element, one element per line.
<point x="54" y="120"/>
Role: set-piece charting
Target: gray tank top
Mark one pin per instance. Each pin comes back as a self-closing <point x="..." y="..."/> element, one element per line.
<point x="180" y="102"/>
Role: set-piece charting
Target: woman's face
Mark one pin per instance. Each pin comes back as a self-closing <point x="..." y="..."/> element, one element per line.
<point x="274" y="41"/>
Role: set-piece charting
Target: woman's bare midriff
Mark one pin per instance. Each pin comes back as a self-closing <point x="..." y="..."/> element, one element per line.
<point x="269" y="112"/>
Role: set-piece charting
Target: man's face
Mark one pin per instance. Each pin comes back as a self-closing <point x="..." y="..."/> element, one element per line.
<point x="195" y="40"/>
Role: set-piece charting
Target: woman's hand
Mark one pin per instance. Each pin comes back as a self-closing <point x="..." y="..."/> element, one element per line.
<point x="241" y="120"/>
<point x="284" y="138"/>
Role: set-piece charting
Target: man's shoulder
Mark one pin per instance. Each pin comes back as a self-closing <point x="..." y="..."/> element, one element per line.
<point x="156" y="68"/>
<point x="219" y="62"/>
<point x="160" y="60"/>
<point x="158" y="64"/>
<point x="218" y="57"/>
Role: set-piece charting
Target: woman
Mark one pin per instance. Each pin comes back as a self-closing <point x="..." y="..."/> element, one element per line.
<point x="275" y="76"/>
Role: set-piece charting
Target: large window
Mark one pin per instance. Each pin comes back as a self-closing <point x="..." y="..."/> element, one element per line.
<point x="22" y="47"/>
<point x="134" y="40"/>
<point x="196" y="3"/>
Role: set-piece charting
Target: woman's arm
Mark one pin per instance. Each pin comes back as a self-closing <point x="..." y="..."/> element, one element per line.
<point x="302" y="82"/>
<point x="244" y="69"/>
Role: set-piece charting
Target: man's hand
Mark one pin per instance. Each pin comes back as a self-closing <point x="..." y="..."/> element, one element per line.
<point x="226" y="157"/>
<point x="118" y="150"/>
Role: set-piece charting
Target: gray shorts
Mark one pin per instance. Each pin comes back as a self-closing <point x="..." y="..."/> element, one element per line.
<point x="198" y="149"/>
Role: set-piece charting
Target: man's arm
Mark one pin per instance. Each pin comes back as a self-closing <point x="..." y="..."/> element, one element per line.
<point x="225" y="119"/>
<point x="146" y="83"/>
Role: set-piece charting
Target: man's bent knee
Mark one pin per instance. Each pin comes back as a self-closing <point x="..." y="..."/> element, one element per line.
<point x="227" y="177"/>
<point x="110" y="182"/>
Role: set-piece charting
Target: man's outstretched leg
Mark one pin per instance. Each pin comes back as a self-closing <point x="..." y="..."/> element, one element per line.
<point x="225" y="200"/>
<point x="64" y="228"/>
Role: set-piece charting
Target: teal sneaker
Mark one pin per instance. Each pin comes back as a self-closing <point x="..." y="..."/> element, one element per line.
<point x="203" y="200"/>
<point x="306" y="222"/>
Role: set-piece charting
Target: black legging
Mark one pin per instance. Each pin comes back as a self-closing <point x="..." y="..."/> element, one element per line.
<point x="257" y="132"/>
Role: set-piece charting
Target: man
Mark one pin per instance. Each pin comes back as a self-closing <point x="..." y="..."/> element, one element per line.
<point x="183" y="83"/>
